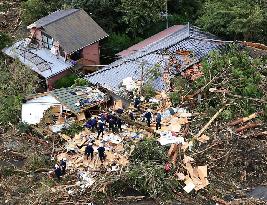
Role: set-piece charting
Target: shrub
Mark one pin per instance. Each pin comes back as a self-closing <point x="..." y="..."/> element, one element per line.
<point x="74" y="128"/>
<point x="5" y="40"/>
<point x="148" y="91"/>
<point x="35" y="162"/>
<point x="149" y="150"/>
<point x="66" y="81"/>
<point x="175" y="98"/>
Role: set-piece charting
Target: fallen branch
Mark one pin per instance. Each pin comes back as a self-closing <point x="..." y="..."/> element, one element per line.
<point x="245" y="119"/>
<point x="248" y="126"/>
<point x="132" y="198"/>
<point x="42" y="170"/>
<point x="203" y="87"/>
<point x="248" y="98"/>
<point x="208" y="124"/>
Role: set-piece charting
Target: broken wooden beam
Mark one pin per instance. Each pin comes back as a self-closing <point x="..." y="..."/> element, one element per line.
<point x="248" y="126"/>
<point x="245" y="119"/>
<point x="208" y="124"/>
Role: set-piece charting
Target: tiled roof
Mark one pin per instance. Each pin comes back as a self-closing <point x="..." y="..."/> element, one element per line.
<point x="187" y="38"/>
<point x="55" y="16"/>
<point x="73" y="28"/>
<point x="79" y="98"/>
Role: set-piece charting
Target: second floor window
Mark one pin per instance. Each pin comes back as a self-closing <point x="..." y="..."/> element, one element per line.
<point x="47" y="41"/>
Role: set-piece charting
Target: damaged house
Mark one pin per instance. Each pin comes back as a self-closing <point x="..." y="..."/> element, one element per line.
<point x="171" y="52"/>
<point x="59" y="41"/>
<point x="65" y="104"/>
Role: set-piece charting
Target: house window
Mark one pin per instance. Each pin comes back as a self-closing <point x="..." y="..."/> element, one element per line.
<point x="47" y="41"/>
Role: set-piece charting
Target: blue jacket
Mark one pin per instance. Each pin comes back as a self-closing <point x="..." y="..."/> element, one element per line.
<point x="148" y="115"/>
<point x="158" y="118"/>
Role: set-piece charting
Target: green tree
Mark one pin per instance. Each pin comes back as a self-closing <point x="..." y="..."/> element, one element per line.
<point x="138" y="15"/>
<point x="238" y="19"/>
<point x="104" y="12"/>
<point x="32" y="10"/>
<point x="16" y="82"/>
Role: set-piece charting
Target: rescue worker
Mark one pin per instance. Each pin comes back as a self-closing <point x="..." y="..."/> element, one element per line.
<point x="119" y="123"/>
<point x="137" y="103"/>
<point x="131" y="115"/>
<point x="89" y="151"/>
<point x="111" y="124"/>
<point x="148" y="116"/>
<point x="58" y="172"/>
<point x="100" y="128"/>
<point x="101" y="152"/>
<point x="158" y="121"/>
<point x="63" y="165"/>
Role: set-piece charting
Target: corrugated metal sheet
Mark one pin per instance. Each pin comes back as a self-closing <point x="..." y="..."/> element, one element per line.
<point x="111" y="76"/>
<point x="73" y="28"/>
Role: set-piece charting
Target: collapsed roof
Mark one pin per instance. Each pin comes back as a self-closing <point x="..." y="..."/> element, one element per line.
<point x="76" y="99"/>
<point x="74" y="29"/>
<point x="187" y="38"/>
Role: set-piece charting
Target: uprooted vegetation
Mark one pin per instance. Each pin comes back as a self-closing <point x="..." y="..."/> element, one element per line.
<point x="236" y="152"/>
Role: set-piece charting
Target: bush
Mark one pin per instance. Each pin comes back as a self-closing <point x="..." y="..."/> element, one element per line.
<point x="150" y="179"/>
<point x="175" y="98"/>
<point x="24" y="128"/>
<point x="5" y="40"/>
<point x="148" y="91"/>
<point x="35" y="162"/>
<point x="149" y="150"/>
<point x="74" y="128"/>
<point x="66" y="81"/>
<point x="80" y="82"/>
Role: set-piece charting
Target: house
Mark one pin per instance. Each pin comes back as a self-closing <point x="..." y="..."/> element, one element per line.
<point x="64" y="103"/>
<point x="57" y="42"/>
<point x="171" y="52"/>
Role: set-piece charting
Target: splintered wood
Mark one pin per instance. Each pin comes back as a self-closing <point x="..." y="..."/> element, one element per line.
<point x="195" y="177"/>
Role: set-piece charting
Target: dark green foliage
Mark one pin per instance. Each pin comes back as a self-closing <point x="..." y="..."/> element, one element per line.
<point x="17" y="81"/>
<point x="235" y="19"/>
<point x="175" y="98"/>
<point x="146" y="175"/>
<point x="24" y="127"/>
<point x="74" y="128"/>
<point x="66" y="81"/>
<point x="7" y="171"/>
<point x="35" y="162"/>
<point x="5" y="40"/>
<point x="32" y="10"/>
<point x="80" y="82"/>
<point x="149" y="150"/>
<point x="148" y="91"/>
<point x="104" y="12"/>
<point x="115" y="43"/>
<point x="150" y="179"/>
<point x="237" y="72"/>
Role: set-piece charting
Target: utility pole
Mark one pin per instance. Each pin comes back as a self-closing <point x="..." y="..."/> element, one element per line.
<point x="166" y="10"/>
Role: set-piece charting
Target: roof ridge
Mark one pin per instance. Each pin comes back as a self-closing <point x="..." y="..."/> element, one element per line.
<point x="74" y="11"/>
<point x="129" y="59"/>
